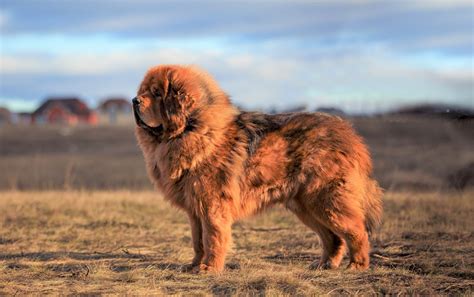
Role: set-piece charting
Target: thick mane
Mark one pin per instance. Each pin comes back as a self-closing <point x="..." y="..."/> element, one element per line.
<point x="209" y="84"/>
<point x="216" y="102"/>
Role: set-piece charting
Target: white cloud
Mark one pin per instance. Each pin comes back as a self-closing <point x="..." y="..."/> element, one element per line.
<point x="268" y="53"/>
<point x="261" y="79"/>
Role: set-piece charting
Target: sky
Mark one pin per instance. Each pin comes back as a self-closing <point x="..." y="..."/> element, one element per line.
<point x="359" y="56"/>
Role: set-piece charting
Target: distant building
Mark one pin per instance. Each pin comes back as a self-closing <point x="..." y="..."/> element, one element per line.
<point x="70" y="111"/>
<point x="23" y="118"/>
<point x="5" y="116"/>
<point x="115" y="111"/>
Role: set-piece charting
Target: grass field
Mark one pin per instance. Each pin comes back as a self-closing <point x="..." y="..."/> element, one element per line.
<point x="107" y="242"/>
<point x="78" y="215"/>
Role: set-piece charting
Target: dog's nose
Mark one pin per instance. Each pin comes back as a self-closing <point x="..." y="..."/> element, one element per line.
<point x="135" y="101"/>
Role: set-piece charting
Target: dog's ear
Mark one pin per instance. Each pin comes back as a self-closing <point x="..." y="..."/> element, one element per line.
<point x="175" y="108"/>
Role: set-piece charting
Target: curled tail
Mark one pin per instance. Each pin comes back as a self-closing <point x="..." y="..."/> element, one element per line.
<point x="373" y="206"/>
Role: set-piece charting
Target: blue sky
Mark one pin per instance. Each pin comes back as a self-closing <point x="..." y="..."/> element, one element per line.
<point x="361" y="56"/>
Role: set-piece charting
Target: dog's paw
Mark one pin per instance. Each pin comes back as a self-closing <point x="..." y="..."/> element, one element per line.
<point x="317" y="265"/>
<point x="322" y="265"/>
<point x="188" y="267"/>
<point x="203" y="268"/>
<point x="357" y="266"/>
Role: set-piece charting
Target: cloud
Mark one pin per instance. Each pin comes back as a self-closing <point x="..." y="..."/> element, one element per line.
<point x="401" y="24"/>
<point x="354" y="54"/>
<point x="256" y="79"/>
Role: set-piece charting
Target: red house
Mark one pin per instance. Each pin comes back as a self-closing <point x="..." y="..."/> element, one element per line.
<point x="5" y="116"/>
<point x="114" y="104"/>
<point x="70" y="111"/>
<point x="115" y="111"/>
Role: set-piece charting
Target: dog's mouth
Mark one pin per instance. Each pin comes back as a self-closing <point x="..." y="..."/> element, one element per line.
<point x="157" y="131"/>
<point x="136" y="114"/>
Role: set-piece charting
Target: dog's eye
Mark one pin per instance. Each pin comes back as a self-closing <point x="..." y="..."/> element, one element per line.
<point x="156" y="94"/>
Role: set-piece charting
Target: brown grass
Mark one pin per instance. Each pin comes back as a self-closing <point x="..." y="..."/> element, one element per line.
<point x="61" y="242"/>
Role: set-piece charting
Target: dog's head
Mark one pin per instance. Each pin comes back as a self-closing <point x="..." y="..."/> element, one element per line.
<point x="172" y="98"/>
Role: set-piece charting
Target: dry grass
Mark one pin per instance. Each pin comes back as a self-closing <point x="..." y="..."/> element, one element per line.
<point x="133" y="242"/>
<point x="105" y="240"/>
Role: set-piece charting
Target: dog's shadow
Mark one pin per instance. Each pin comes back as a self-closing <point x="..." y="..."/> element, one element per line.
<point x="49" y="256"/>
<point x="119" y="262"/>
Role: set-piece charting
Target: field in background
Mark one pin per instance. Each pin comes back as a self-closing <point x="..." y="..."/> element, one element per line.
<point x="133" y="243"/>
<point x="410" y="153"/>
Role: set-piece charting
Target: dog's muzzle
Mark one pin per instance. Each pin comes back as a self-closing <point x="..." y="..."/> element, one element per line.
<point x="136" y="112"/>
<point x="156" y="131"/>
<point x="135" y="101"/>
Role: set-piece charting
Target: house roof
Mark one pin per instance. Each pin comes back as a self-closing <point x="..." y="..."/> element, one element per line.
<point x="4" y="112"/>
<point x="114" y="102"/>
<point x="72" y="104"/>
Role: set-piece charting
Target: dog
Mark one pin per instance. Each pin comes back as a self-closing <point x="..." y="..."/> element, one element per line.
<point x="220" y="164"/>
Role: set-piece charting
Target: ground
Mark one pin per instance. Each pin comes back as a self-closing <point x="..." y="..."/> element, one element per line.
<point x="133" y="242"/>
<point x="78" y="215"/>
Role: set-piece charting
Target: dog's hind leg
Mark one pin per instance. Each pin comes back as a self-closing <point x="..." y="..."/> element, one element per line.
<point x="339" y="212"/>
<point x="334" y="250"/>
<point x="333" y="245"/>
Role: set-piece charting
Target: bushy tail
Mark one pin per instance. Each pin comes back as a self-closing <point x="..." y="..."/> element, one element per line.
<point x="373" y="207"/>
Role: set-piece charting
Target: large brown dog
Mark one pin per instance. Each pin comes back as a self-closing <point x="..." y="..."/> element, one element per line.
<point x="219" y="165"/>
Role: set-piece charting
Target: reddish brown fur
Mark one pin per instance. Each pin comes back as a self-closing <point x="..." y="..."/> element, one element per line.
<point x="219" y="165"/>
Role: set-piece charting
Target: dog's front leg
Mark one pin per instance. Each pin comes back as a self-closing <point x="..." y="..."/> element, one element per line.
<point x="196" y="232"/>
<point x="217" y="236"/>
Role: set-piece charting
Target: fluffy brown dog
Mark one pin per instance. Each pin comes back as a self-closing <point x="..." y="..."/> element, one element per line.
<point x="219" y="165"/>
